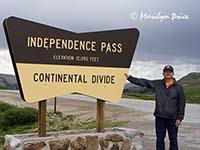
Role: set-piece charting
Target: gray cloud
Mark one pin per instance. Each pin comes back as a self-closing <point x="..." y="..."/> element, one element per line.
<point x="153" y="70"/>
<point x="161" y="42"/>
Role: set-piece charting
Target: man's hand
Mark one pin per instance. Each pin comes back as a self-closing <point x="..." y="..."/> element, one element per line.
<point x="178" y="123"/>
<point x="126" y="75"/>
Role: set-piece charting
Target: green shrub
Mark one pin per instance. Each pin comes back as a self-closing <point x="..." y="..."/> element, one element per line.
<point x="3" y="87"/>
<point x="17" y="117"/>
<point x="55" y="114"/>
<point x="4" y="106"/>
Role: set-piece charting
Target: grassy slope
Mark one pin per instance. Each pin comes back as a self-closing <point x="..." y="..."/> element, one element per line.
<point x="192" y="95"/>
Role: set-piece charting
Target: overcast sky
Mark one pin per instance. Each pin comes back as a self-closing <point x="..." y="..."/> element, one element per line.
<point x="175" y="42"/>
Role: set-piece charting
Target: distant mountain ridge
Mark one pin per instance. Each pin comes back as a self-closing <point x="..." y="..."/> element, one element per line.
<point x="129" y="85"/>
<point x="8" y="82"/>
<point x="192" y="79"/>
<point x="190" y="83"/>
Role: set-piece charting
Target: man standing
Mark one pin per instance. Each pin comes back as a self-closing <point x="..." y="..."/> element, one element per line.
<point x="170" y="106"/>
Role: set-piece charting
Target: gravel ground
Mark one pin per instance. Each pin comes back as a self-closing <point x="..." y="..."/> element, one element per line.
<point x="139" y="118"/>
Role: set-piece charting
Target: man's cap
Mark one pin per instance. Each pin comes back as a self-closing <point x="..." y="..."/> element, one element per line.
<point x="168" y="67"/>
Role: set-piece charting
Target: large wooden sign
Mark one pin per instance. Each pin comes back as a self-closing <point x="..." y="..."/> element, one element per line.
<point x="50" y="62"/>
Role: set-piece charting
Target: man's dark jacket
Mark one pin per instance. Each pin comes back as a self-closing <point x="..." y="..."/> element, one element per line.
<point x="170" y="102"/>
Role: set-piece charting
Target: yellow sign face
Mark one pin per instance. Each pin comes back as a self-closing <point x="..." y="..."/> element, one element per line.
<point x="50" y="62"/>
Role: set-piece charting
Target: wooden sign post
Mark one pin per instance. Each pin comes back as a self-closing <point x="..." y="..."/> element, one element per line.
<point x="100" y="115"/>
<point x="42" y="109"/>
<point x="55" y="103"/>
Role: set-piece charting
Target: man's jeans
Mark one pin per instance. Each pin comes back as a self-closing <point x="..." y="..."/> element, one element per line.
<point x="163" y="124"/>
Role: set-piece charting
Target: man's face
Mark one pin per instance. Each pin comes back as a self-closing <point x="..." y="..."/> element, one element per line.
<point x="168" y="74"/>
